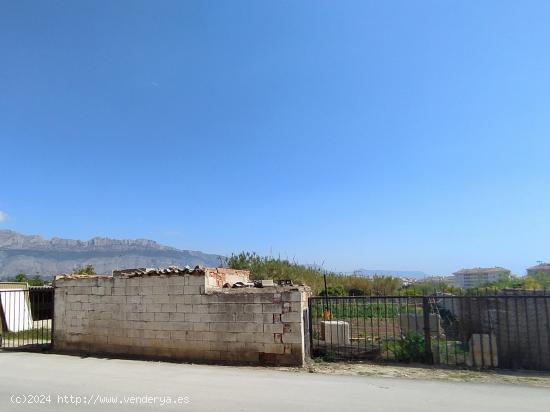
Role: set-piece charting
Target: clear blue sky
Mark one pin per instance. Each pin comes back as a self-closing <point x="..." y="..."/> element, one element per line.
<point x="375" y="134"/>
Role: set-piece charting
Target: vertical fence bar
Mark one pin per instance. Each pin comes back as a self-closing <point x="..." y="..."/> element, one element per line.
<point x="15" y="321"/>
<point x="498" y="328"/>
<point x="372" y="341"/>
<point x="364" y="306"/>
<point x="427" y="332"/>
<point x="547" y="318"/>
<point x="527" y="331"/>
<point x="470" y="323"/>
<point x="386" y="327"/>
<point x="481" y="327"/>
<point x="377" y="311"/>
<point x="52" y="314"/>
<point x="508" y="334"/>
<point x="455" y="321"/>
<point x="488" y="301"/>
<point x="310" y="303"/>
<point x="518" y="335"/>
<point x="537" y="328"/>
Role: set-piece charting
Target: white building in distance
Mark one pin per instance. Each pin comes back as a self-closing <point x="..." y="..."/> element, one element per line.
<point x="471" y="278"/>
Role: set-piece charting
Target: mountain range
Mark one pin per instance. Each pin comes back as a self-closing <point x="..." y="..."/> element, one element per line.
<point x="35" y="255"/>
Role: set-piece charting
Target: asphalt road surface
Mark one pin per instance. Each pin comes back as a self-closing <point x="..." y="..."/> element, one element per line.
<point x="46" y="382"/>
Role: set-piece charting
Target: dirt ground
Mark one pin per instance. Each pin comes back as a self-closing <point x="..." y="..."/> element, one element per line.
<point x="532" y="378"/>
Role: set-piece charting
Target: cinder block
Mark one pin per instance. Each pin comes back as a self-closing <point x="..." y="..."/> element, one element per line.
<point x="177" y="298"/>
<point x="253" y="308"/>
<point x="116" y="299"/>
<point x="209" y="299"/>
<point x="254" y="346"/>
<point x="235" y="346"/>
<point x="134" y="333"/>
<point x="175" y="290"/>
<point x="176" y="280"/>
<point x="89" y="282"/>
<point x="75" y="306"/>
<point x="219" y="336"/>
<point x="134" y="282"/>
<point x="274" y="348"/>
<point x="161" y="299"/>
<point x="119" y="283"/>
<point x="80" y="290"/>
<point x="292" y="338"/>
<point x="266" y="337"/>
<point x="177" y="316"/>
<point x="235" y="327"/>
<point x="197" y="317"/>
<point x="132" y="290"/>
<point x="145" y="290"/>
<point x="148" y="316"/>
<point x="148" y="281"/>
<point x="191" y="290"/>
<point x="295" y="296"/>
<point x="192" y="299"/>
<point x="160" y="290"/>
<point x="78" y="298"/>
<point x="177" y="325"/>
<point x="219" y="346"/>
<point x="200" y="308"/>
<point x="168" y="307"/>
<point x="244" y="317"/>
<point x="273" y="328"/>
<point x="201" y="327"/>
<point x="183" y="308"/>
<point x="162" y="317"/>
<point x="196" y="280"/>
<point x="133" y="299"/>
<point x="223" y="317"/>
<point x="272" y="308"/>
<point x="179" y="334"/>
<point x="245" y="337"/>
<point x="263" y="298"/>
<point x="153" y="307"/>
<point x="291" y="317"/>
<point x="106" y="315"/>
<point x="133" y="316"/>
<point x="119" y="291"/>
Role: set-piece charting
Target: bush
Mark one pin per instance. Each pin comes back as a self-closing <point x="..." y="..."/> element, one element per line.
<point x="86" y="270"/>
<point x="337" y="290"/>
<point x="410" y="348"/>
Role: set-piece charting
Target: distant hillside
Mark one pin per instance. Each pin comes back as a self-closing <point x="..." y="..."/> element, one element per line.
<point x="398" y="273"/>
<point x="34" y="254"/>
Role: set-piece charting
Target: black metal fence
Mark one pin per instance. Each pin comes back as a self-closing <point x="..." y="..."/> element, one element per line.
<point x="504" y="330"/>
<point x="26" y="317"/>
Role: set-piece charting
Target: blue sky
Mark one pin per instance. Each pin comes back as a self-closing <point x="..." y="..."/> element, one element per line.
<point x="383" y="135"/>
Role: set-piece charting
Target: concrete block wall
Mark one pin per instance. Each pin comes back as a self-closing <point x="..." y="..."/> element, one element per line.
<point x="180" y="317"/>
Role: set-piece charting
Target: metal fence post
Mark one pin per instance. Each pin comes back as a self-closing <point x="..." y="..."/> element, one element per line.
<point x="427" y="331"/>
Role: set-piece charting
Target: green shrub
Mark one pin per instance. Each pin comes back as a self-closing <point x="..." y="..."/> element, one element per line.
<point x="411" y="348"/>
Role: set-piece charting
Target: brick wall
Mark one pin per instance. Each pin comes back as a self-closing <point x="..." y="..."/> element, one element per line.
<point x="180" y="317"/>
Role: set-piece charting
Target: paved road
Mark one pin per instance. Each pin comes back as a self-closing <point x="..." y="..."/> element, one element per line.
<point x="218" y="388"/>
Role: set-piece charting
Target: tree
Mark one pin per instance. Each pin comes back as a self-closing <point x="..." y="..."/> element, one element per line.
<point x="34" y="281"/>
